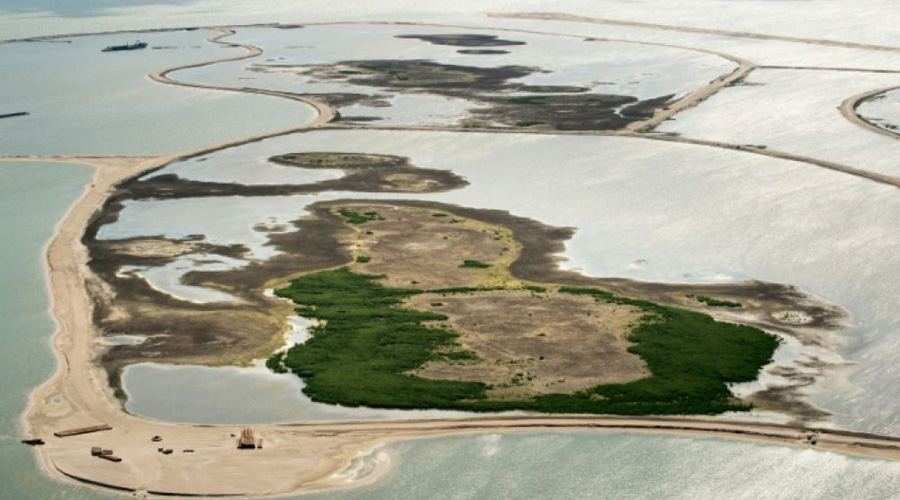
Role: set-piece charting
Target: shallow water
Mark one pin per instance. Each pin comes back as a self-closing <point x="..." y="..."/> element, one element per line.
<point x="872" y="21"/>
<point x="882" y="110"/>
<point x="796" y="112"/>
<point x="633" y="467"/>
<point x="192" y="216"/>
<point x="83" y="101"/>
<point x="650" y="211"/>
<point x="167" y="278"/>
<point x="643" y="71"/>
<point x="33" y="198"/>
<point x="248" y="165"/>
<point x="236" y="395"/>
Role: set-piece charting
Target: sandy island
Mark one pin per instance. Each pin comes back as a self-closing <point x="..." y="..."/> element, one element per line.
<point x="295" y="458"/>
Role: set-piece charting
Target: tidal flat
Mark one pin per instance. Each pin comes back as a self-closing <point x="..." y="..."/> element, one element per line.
<point x="384" y="75"/>
<point x="479" y="161"/>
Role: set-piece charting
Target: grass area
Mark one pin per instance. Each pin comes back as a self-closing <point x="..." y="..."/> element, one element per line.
<point x="691" y="356"/>
<point x="363" y="259"/>
<point x="393" y="72"/>
<point x="715" y="302"/>
<point x="276" y="363"/>
<point x="353" y="217"/>
<point x="474" y="264"/>
<point x="364" y="346"/>
<point x="528" y="100"/>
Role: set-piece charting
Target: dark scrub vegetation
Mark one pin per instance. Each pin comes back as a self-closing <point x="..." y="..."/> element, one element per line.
<point x="474" y="264"/>
<point x="714" y="302"/>
<point x="365" y="345"/>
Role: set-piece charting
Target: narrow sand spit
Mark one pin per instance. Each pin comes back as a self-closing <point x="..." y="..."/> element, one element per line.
<point x="295" y="458"/>
<point x="850" y="105"/>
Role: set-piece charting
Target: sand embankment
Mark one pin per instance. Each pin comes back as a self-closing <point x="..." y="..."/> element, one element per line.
<point x="849" y="111"/>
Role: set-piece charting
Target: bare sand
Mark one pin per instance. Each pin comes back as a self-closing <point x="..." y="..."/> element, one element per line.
<point x="325" y="112"/>
<point x="295" y="458"/>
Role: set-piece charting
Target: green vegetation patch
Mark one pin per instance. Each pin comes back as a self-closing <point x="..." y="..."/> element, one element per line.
<point x="276" y="362"/>
<point x="353" y="217"/>
<point x="531" y="100"/>
<point x="363" y="259"/>
<point x="474" y="264"/>
<point x="691" y="356"/>
<point x="715" y="302"/>
<point x="365" y="346"/>
<point x="338" y="160"/>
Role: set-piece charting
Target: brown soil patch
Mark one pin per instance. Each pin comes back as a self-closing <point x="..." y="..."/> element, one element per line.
<point x="152" y="248"/>
<point x="530" y="344"/>
<point x="424" y="248"/>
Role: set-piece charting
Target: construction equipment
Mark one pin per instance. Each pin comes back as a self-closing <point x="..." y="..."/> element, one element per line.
<point x="247" y="441"/>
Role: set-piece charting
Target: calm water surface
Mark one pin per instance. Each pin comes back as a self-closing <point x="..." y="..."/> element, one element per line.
<point x="84" y="101"/>
<point x="33" y="197"/>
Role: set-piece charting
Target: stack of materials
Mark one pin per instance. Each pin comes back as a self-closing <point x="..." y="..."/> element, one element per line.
<point x="99" y="452"/>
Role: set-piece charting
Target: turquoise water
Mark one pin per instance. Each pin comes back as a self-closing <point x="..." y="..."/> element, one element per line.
<point x="33" y="197"/>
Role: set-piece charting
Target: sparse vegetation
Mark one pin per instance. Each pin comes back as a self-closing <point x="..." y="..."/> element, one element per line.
<point x="467" y="289"/>
<point x="528" y="100"/>
<point x="364" y="344"/>
<point x="692" y="358"/>
<point x="714" y="302"/>
<point x="353" y="217"/>
<point x="474" y="264"/>
<point x="362" y="259"/>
